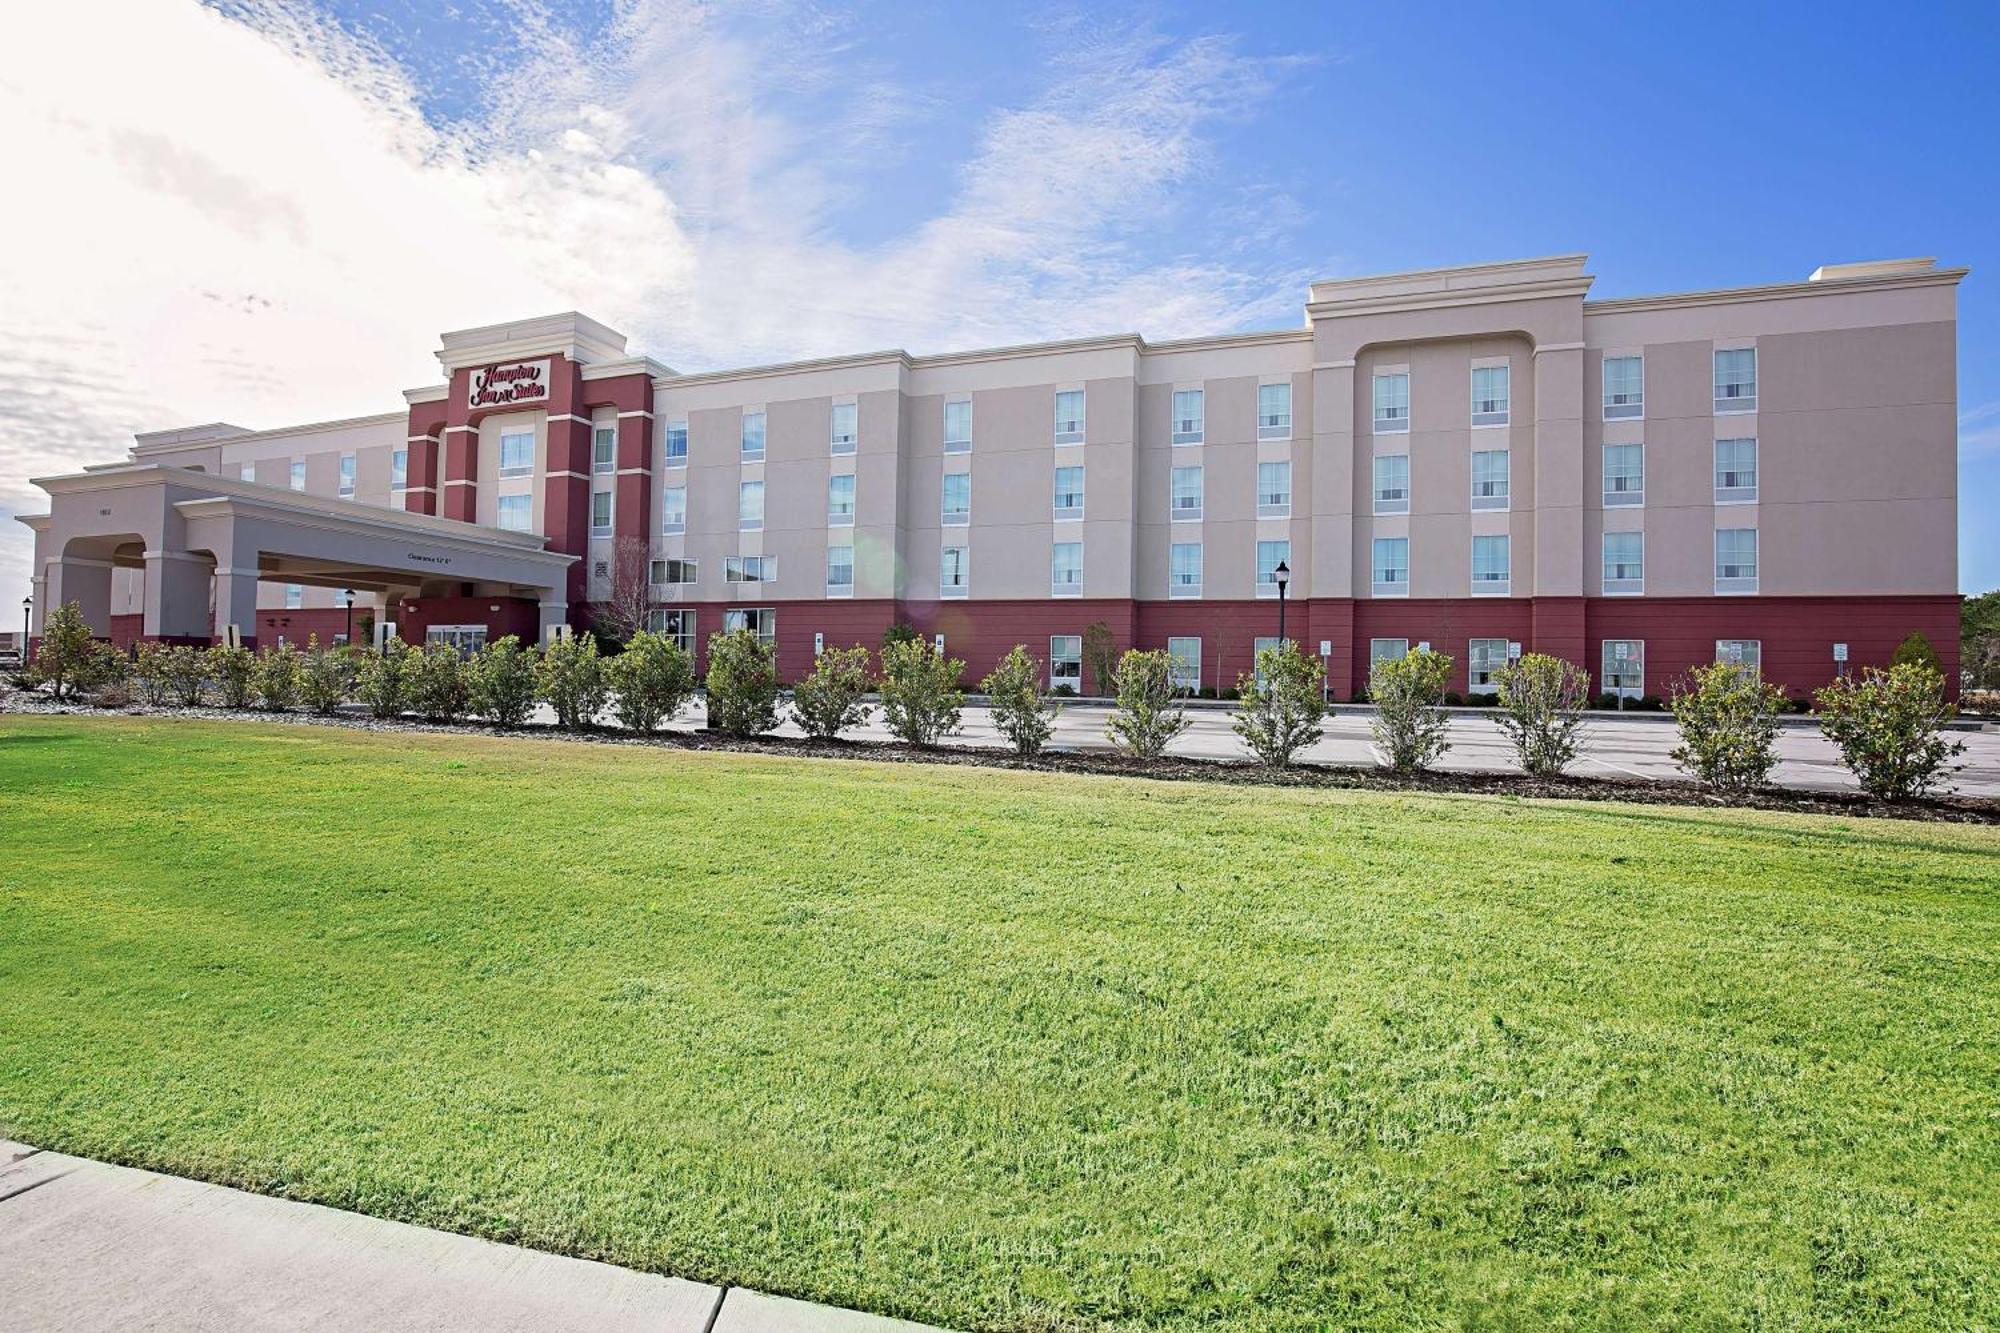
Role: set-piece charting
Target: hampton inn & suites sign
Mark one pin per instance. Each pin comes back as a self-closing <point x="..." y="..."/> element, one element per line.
<point x="513" y="383"/>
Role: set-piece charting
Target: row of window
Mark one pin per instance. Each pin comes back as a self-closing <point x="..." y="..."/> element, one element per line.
<point x="1624" y="477"/>
<point x="1734" y="382"/>
<point x="1622" y="662"/>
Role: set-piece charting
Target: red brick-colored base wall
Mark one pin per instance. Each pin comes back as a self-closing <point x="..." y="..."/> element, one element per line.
<point x="519" y="616"/>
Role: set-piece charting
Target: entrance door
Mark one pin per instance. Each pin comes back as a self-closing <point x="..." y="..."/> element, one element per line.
<point x="468" y="639"/>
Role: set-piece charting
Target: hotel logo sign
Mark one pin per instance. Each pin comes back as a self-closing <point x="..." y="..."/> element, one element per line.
<point x="510" y="384"/>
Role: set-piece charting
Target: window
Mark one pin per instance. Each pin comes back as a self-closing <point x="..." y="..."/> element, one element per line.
<point x="958" y="426"/>
<point x="1187" y="663"/>
<point x="1624" y="475"/>
<point x="1392" y="483"/>
<point x="1389" y="574"/>
<point x="1392" y="403"/>
<point x="1736" y="559"/>
<point x="1489" y="395"/>
<point x="1274" y="490"/>
<point x="761" y="621"/>
<point x="750" y="505"/>
<point x="295" y="596"/>
<point x="347" y="475"/>
<point x="1066" y="662"/>
<point x="673" y="510"/>
<point x="955" y="572"/>
<point x="1066" y="569"/>
<point x="1741" y="652"/>
<point x="1624" y="387"/>
<point x="752" y="446"/>
<point x="1269" y="556"/>
<point x="842" y="430"/>
<point x="1187" y="416"/>
<point x="750" y="569"/>
<point x="516" y="513"/>
<point x="1736" y="379"/>
<point x="1184" y="569"/>
<point x="517" y="455"/>
<point x="1274" y="412"/>
<point x="1735" y="471"/>
<point x="467" y="639"/>
<point x="957" y="499"/>
<point x="1387" y="650"/>
<point x="1624" y="562"/>
<point x="1490" y="565"/>
<point x="600" y="513"/>
<point x="1069" y="492"/>
<point x="674" y="573"/>
<point x="299" y="474"/>
<point x="1490" y="478"/>
<point x="840" y="571"/>
<point x="603" y="449"/>
<point x="1624" y="668"/>
<point x="399" y="469"/>
<point x="1483" y="661"/>
<point x="677" y="444"/>
<point x="1187" y="493"/>
<point x="840" y="500"/>
<point x="1069" y="416"/>
<point x="674" y="624"/>
<point x="1258" y="647"/>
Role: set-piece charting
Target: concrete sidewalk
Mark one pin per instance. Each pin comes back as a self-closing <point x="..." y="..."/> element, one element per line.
<point x="85" y="1245"/>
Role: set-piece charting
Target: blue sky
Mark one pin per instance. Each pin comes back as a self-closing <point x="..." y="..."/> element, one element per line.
<point x="738" y="183"/>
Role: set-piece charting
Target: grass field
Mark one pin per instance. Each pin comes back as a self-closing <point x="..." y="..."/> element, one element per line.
<point x="1019" y="1051"/>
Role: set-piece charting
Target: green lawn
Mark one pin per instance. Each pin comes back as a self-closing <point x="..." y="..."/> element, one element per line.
<point x="1020" y="1051"/>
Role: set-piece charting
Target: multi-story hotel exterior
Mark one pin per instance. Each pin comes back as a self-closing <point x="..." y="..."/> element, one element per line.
<point x="1475" y="458"/>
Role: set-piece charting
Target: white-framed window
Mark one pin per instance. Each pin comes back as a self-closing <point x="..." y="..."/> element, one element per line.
<point x="1490" y="392"/>
<point x="1735" y="471"/>
<point x="1066" y="569"/>
<point x="761" y="621"/>
<point x="1186" y="504"/>
<point x="1389" y="567"/>
<point x="1258" y="646"/>
<point x="677" y="444"/>
<point x="1392" y="483"/>
<point x="1386" y="650"/>
<point x="295" y="596"/>
<point x="1491" y="482"/>
<point x="1483" y="660"/>
<point x="1623" y="668"/>
<point x="399" y="469"/>
<point x="600" y="513"/>
<point x="1187" y="663"/>
<point x="1392" y="402"/>
<point x="467" y="639"/>
<point x="676" y="573"/>
<point x="750" y="569"/>
<point x="1274" y="490"/>
<point x="1491" y="564"/>
<point x="750" y="445"/>
<point x="347" y="476"/>
<point x="1624" y="563"/>
<point x="1624" y="475"/>
<point x="603" y="450"/>
<point x="1624" y="387"/>
<point x="840" y="571"/>
<point x="516" y="513"/>
<point x="958" y="426"/>
<point x="673" y="510"/>
<point x="1069" y="416"/>
<point x="1274" y="413"/>
<point x="955" y="572"/>
<point x="1066" y="661"/>
<point x="517" y="454"/>
<point x="1069" y="492"/>
<point x="957" y="507"/>
<point x="1735" y="379"/>
<point x="1184" y="569"/>
<point x="1735" y="560"/>
<point x="840" y="500"/>
<point x="675" y="624"/>
<point x="298" y="476"/>
<point x="843" y="428"/>
<point x="750" y="505"/>
<point x="1741" y="652"/>
<point x="1187" y="424"/>
<point x="1269" y="556"/>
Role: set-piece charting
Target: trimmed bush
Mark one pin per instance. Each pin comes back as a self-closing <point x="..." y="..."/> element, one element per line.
<point x="233" y="670"/>
<point x="569" y="678"/>
<point x="920" y="695"/>
<point x="1100" y="658"/>
<point x="651" y="681"/>
<point x="1541" y="710"/>
<point x="1021" y="711"/>
<point x="63" y="657"/>
<point x="186" y="670"/>
<point x="326" y="674"/>
<point x="1916" y="650"/>
<point x="742" y="684"/>
<point x="1283" y="714"/>
<point x="149" y="672"/>
<point x="1410" y="726"/>
<point x="502" y="679"/>
<point x="899" y="632"/>
<point x="378" y="678"/>
<point x="434" y="683"/>
<point x="106" y="677"/>
<point x="1889" y="727"/>
<point x="276" y="679"/>
<point x="1148" y="712"/>
<point x="828" y="699"/>
<point x="1728" y="721"/>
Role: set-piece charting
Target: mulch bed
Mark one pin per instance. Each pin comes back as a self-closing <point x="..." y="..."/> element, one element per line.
<point x="1945" y="809"/>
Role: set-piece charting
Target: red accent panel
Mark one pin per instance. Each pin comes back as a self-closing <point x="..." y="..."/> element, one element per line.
<point x="632" y="511"/>
<point x="565" y="497"/>
<point x="1228" y="632"/>
<point x="1447" y="623"/>
<point x="1558" y="629"/>
<point x="981" y="633"/>
<point x="519" y="616"/>
<point x="421" y="476"/>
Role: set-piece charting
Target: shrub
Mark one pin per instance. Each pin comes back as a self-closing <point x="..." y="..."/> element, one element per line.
<point x="276" y="679"/>
<point x="1728" y="721"/>
<point x="434" y="682"/>
<point x="1916" y="650"/>
<point x="1889" y="727"/>
<point x="106" y="671"/>
<point x="1148" y="712"/>
<point x="378" y="678"/>
<point x="920" y="694"/>
<point x="742" y="684"/>
<point x="233" y="670"/>
<point x="149" y="672"/>
<point x="1282" y="715"/>
<point x="1411" y="729"/>
<point x="1021" y="711"/>
<point x="899" y="632"/>
<point x="1541" y="711"/>
<point x="501" y="677"/>
<point x="1100" y="657"/>
<point x="651" y="681"/>
<point x="828" y="699"/>
<point x="569" y="678"/>
<point x="1064" y="691"/>
<point x="186" y="672"/>
<point x="325" y="676"/>
<point x="63" y="657"/>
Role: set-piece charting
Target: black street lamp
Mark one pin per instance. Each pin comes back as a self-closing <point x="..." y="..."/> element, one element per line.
<point x="27" y="617"/>
<point x="1284" y="576"/>
<point x="349" y="593"/>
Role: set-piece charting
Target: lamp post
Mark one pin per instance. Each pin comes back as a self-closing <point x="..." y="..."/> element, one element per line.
<point x="27" y="617"/>
<point x="349" y="593"/>
<point x="1283" y="573"/>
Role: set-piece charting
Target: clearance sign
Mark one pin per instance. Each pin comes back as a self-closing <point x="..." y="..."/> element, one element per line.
<point x="516" y="383"/>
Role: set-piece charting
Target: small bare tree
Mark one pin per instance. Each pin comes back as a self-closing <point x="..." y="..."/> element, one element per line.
<point x="629" y="603"/>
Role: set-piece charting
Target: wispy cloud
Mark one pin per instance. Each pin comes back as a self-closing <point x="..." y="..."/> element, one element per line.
<point x="1979" y="432"/>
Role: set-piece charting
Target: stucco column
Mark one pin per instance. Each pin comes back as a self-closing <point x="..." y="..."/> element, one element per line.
<point x="38" y="588"/>
<point x="88" y="584"/>
<point x="554" y="611"/>
<point x="1559" y="474"/>
<point x="236" y="602"/>
<point x="176" y="602"/>
<point x="1333" y="476"/>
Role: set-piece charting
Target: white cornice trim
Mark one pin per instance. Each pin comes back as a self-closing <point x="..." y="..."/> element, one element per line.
<point x="1778" y="291"/>
<point x="431" y="393"/>
<point x="147" y="449"/>
<point x="1448" y="298"/>
<point x="1554" y="347"/>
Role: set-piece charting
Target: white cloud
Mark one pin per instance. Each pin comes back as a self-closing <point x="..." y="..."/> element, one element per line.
<point x="1979" y="432"/>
